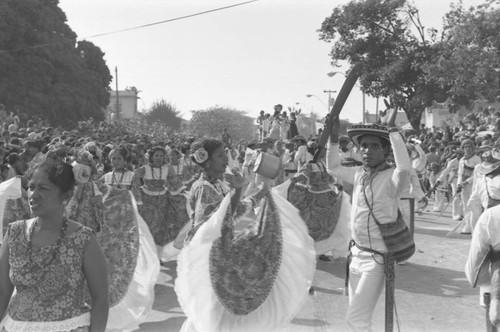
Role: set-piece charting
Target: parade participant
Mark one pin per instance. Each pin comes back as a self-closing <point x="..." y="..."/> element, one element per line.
<point x="284" y="125"/>
<point x="120" y="177"/>
<point x="301" y="156"/>
<point x="465" y="171"/>
<point x="274" y="131"/>
<point x="482" y="262"/>
<point x="252" y="279"/>
<point x="190" y="170"/>
<point x="293" y="131"/>
<point x="51" y="261"/>
<point x="208" y="191"/>
<point x="260" y="124"/>
<point x="377" y="190"/>
<point x="287" y="160"/>
<point x="438" y="187"/>
<point x="155" y="195"/>
<point x="450" y="175"/>
<point x="485" y="185"/>
<point x="86" y="206"/>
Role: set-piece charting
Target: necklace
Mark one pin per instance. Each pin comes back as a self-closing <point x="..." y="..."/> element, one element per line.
<point x="119" y="183"/>
<point x="62" y="234"/>
<point x="153" y="173"/>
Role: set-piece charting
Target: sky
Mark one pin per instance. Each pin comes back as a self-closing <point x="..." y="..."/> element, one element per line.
<point x="248" y="57"/>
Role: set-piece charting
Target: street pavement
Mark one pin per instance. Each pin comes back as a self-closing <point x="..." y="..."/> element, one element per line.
<point x="432" y="293"/>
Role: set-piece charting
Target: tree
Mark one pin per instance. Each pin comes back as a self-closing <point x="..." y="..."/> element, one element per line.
<point x="212" y="121"/>
<point x="165" y="112"/>
<point x="43" y="70"/>
<point x="466" y="62"/>
<point x="380" y="35"/>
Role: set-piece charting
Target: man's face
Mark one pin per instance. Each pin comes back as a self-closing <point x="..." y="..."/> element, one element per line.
<point x="372" y="150"/>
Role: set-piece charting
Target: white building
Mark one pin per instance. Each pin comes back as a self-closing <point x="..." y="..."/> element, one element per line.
<point x="126" y="103"/>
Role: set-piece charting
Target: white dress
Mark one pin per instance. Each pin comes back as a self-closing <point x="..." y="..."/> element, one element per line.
<point x="209" y="299"/>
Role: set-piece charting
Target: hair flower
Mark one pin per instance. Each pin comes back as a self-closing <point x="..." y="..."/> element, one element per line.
<point x="81" y="172"/>
<point x="200" y="155"/>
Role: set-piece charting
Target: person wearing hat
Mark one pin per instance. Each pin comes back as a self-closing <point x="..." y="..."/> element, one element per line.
<point x="486" y="183"/>
<point x="465" y="180"/>
<point x="377" y="191"/>
<point x="485" y="236"/>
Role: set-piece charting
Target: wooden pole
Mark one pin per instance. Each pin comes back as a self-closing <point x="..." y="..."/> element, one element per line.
<point x="117" y="95"/>
<point x="389" y="293"/>
<point x="338" y="105"/>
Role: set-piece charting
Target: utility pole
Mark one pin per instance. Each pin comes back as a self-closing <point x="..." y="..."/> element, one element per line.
<point x="117" y="108"/>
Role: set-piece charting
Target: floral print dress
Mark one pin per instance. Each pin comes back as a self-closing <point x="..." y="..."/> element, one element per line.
<point x="205" y="197"/>
<point x="155" y="196"/>
<point x="50" y="293"/>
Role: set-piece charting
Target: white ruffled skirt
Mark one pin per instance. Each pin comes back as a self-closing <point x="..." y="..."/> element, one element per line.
<point x="289" y="291"/>
<point x="137" y="303"/>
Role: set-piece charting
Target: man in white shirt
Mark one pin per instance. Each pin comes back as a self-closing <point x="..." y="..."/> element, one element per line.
<point x="378" y="188"/>
<point x="465" y="180"/>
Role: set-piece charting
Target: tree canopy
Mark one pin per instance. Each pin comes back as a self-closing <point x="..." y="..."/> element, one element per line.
<point x="44" y="71"/>
<point x="166" y="113"/>
<point x="466" y="63"/>
<point x="212" y="121"/>
<point x="412" y="65"/>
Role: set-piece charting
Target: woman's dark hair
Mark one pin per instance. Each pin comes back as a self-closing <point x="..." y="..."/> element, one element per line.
<point x="209" y="144"/>
<point x="152" y="151"/>
<point x="13" y="158"/>
<point x="59" y="173"/>
<point x="122" y="151"/>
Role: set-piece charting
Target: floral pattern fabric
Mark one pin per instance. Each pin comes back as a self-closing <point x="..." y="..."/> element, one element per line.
<point x="47" y="290"/>
<point x="16" y="209"/>
<point x="313" y="192"/>
<point x="204" y="198"/>
<point x="119" y="240"/>
<point x="155" y="203"/>
<point x="244" y="266"/>
<point x="85" y="207"/>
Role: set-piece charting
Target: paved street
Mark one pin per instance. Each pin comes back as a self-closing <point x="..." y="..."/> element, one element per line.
<point x="432" y="293"/>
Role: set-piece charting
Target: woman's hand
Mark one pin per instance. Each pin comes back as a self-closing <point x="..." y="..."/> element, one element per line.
<point x="235" y="179"/>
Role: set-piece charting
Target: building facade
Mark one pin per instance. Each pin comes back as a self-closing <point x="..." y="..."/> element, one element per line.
<point x="123" y="106"/>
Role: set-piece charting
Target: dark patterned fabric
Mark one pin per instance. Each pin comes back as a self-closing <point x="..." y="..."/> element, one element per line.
<point x="177" y="216"/>
<point x="314" y="193"/>
<point x="119" y="240"/>
<point x="16" y="209"/>
<point x="46" y="289"/>
<point x="243" y="266"/>
<point x="154" y="210"/>
<point x="85" y="207"/>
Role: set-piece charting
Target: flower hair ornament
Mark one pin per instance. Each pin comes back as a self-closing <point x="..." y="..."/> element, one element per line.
<point x="200" y="155"/>
<point x="81" y="172"/>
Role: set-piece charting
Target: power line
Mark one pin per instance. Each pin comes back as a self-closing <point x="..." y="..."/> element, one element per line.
<point x="133" y="28"/>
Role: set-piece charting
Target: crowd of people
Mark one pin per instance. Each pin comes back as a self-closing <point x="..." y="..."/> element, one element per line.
<point x="90" y="213"/>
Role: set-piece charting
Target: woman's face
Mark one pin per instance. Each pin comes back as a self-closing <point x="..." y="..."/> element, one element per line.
<point x="44" y="196"/>
<point x="158" y="158"/>
<point x="117" y="161"/>
<point x="174" y="159"/>
<point x="218" y="161"/>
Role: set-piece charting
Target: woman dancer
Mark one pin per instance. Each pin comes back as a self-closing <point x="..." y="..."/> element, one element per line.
<point x="275" y="122"/>
<point x="155" y="196"/>
<point x="128" y="247"/>
<point x="251" y="277"/>
<point x="120" y="177"/>
<point x="51" y="260"/>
